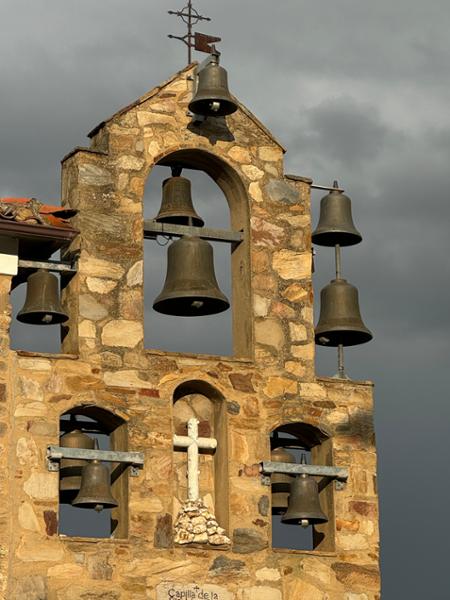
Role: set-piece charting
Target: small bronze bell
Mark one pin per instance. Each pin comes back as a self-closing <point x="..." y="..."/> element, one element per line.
<point x="42" y="305"/>
<point x="176" y="205"/>
<point x="70" y="469"/>
<point x="304" y="506"/>
<point x="340" y="320"/>
<point x="95" y="490"/>
<point x="213" y="98"/>
<point x="191" y="288"/>
<point x="335" y="222"/>
<point x="280" y="482"/>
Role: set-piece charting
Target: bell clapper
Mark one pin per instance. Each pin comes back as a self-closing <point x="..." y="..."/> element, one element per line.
<point x="304" y="523"/>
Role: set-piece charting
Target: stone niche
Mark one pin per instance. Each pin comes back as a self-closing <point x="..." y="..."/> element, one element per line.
<point x="200" y="400"/>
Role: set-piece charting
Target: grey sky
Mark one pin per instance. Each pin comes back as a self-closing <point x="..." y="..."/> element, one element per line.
<point x="354" y="90"/>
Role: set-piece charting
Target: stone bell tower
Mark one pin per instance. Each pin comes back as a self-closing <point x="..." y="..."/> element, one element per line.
<point x="174" y="423"/>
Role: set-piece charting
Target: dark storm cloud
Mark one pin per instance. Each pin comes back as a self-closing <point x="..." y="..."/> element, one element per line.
<point x="356" y="91"/>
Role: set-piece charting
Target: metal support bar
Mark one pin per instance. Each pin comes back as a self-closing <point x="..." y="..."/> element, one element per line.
<point x="49" y="265"/>
<point x="56" y="453"/>
<point x="153" y="228"/>
<point x="316" y="186"/>
<point x="340" y="474"/>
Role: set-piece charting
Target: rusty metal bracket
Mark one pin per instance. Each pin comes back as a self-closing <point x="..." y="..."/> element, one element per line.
<point x="55" y="453"/>
<point x="339" y="474"/>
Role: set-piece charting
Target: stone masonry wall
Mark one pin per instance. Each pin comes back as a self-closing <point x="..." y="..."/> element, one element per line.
<point x="269" y="383"/>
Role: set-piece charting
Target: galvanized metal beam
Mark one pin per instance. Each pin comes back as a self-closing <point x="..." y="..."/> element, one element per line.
<point x="338" y="473"/>
<point x="48" y="265"/>
<point x="153" y="228"/>
<point x="56" y="453"/>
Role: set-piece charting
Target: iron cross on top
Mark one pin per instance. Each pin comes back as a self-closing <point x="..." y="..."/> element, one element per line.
<point x="199" y="41"/>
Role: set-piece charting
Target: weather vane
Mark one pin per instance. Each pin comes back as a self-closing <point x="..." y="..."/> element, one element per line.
<point x="198" y="41"/>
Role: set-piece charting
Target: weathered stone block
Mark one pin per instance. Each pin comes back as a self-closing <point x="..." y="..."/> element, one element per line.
<point x="246" y="541"/>
<point x="260" y="592"/>
<point x="122" y="333"/>
<point x="31" y="587"/>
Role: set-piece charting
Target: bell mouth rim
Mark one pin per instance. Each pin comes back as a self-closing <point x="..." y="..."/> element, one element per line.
<point x="347" y="337"/>
<point x="91" y="504"/>
<point x="201" y="107"/>
<point x="179" y="219"/>
<point x="312" y="520"/>
<point x="217" y="305"/>
<point x="57" y="318"/>
<point x="336" y="237"/>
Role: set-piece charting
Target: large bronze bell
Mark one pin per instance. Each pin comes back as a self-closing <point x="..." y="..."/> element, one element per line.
<point x="176" y="205"/>
<point x="280" y="482"/>
<point x="340" y="320"/>
<point x="95" y="490"/>
<point x="70" y="469"/>
<point x="335" y="222"/>
<point x="213" y="98"/>
<point x="191" y="288"/>
<point x="304" y="506"/>
<point x="42" y="305"/>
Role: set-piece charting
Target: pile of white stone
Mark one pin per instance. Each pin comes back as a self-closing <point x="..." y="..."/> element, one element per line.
<point x="195" y="524"/>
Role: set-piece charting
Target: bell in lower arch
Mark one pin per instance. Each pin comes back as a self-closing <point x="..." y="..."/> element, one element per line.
<point x="70" y="469"/>
<point x="42" y="305"/>
<point x="191" y="288"/>
<point x="212" y="98"/>
<point x="280" y="482"/>
<point x="340" y="320"/>
<point x="335" y="222"/>
<point x="176" y="205"/>
<point x="95" y="490"/>
<point x="304" y="506"/>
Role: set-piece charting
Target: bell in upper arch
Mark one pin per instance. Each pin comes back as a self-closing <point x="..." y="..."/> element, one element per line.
<point x="212" y="98"/>
<point x="176" y="205"/>
<point x="42" y="305"/>
<point x="191" y="288"/>
<point x="281" y="482"/>
<point x="335" y="221"/>
<point x="340" y="320"/>
<point x="70" y="469"/>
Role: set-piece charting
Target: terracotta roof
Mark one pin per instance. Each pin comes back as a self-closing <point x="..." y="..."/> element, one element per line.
<point x="54" y="216"/>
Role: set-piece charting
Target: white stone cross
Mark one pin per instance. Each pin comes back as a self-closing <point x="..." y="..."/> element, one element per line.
<point x="192" y="442"/>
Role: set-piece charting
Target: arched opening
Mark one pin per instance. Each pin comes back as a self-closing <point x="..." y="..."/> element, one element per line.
<point x="289" y="443"/>
<point x="110" y="432"/>
<point x="219" y="197"/>
<point x="199" y="400"/>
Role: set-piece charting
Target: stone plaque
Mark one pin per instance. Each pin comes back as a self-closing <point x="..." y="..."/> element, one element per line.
<point x="191" y="591"/>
